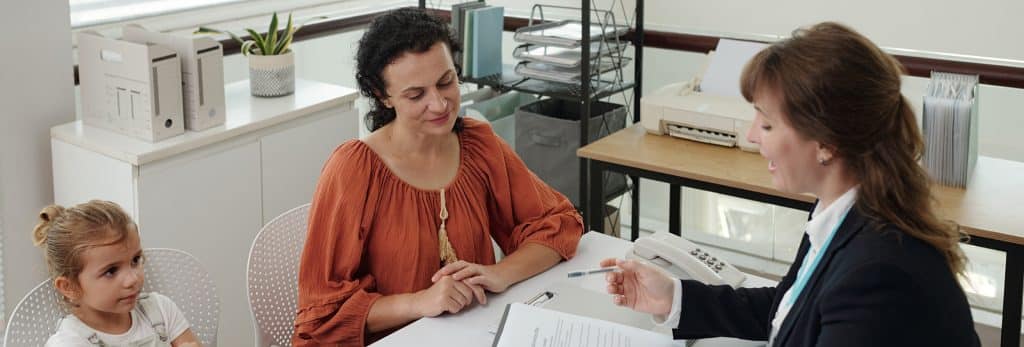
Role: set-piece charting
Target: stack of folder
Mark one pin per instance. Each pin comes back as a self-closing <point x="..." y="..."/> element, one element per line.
<point x="950" y="125"/>
<point x="478" y="28"/>
<point x="553" y="51"/>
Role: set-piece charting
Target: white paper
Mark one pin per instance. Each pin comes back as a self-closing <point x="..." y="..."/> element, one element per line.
<point x="722" y="77"/>
<point x="950" y="127"/>
<point x="532" y="326"/>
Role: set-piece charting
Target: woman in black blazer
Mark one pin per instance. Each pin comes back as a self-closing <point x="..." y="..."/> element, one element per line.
<point x="875" y="267"/>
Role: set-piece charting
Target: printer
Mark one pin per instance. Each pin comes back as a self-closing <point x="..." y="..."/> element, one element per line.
<point x="697" y="110"/>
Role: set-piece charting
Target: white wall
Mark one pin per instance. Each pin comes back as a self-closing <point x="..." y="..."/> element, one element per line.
<point x="981" y="28"/>
<point x="35" y="94"/>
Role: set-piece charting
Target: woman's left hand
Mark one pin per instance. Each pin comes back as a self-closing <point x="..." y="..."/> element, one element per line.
<point x="486" y="276"/>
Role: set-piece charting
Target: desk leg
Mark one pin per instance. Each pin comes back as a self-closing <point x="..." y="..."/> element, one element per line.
<point x="595" y="208"/>
<point x="1012" y="297"/>
<point x="634" y="214"/>
<point x="675" y="223"/>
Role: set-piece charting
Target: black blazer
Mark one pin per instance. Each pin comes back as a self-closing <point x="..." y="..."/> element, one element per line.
<point x="872" y="288"/>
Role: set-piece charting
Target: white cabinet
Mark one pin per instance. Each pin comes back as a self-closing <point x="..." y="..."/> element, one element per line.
<point x="209" y="192"/>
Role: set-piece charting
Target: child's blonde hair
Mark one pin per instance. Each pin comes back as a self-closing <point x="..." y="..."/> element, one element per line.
<point x="64" y="233"/>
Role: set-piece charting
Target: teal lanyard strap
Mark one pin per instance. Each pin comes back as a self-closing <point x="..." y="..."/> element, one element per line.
<point x="805" y="271"/>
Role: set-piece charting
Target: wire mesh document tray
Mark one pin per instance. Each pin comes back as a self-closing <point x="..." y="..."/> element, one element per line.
<point x="567" y="57"/>
<point x="566" y="34"/>
<point x="552" y="73"/>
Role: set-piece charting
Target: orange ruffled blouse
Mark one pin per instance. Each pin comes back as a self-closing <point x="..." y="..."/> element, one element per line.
<point x="372" y="234"/>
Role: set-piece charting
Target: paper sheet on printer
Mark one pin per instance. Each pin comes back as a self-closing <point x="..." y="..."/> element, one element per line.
<point x="723" y="74"/>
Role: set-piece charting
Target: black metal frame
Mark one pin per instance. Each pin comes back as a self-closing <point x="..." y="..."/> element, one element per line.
<point x="1013" y="284"/>
<point x="586" y="95"/>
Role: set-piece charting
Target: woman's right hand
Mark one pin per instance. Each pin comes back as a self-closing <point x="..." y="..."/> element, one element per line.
<point x="447" y="295"/>
<point x="639" y="287"/>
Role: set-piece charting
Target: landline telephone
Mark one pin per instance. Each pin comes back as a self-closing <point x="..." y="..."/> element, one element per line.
<point x="684" y="259"/>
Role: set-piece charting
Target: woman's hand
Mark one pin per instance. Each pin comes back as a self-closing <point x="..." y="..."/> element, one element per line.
<point x="447" y="294"/>
<point x="639" y="287"/>
<point x="486" y="276"/>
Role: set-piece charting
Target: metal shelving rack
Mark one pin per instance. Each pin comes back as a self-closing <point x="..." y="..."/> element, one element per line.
<point x="585" y="94"/>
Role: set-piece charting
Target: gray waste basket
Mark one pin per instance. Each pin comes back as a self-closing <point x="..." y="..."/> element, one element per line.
<point x="548" y="135"/>
<point x="499" y="112"/>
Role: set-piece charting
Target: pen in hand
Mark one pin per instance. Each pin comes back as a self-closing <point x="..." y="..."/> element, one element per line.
<point x="591" y="272"/>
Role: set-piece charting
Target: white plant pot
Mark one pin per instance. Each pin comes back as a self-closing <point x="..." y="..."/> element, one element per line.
<point x="272" y="75"/>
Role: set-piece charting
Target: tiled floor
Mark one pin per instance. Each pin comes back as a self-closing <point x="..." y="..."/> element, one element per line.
<point x="989" y="335"/>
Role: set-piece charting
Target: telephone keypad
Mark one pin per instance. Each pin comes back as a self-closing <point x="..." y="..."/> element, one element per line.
<point x="708" y="260"/>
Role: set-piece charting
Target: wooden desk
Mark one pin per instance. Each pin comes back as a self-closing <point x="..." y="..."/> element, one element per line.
<point x="989" y="209"/>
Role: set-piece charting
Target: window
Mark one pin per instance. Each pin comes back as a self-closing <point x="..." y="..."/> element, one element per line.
<point x="186" y="15"/>
<point x="95" y="12"/>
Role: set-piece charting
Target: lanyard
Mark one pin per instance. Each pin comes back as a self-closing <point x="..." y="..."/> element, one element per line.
<point x="805" y="271"/>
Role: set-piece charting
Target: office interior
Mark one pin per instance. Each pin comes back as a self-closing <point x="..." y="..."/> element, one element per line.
<point x="38" y="93"/>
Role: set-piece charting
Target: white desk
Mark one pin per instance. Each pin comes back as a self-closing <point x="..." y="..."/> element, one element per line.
<point x="470" y="327"/>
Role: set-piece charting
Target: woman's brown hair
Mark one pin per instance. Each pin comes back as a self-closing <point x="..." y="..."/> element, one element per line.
<point x="64" y="233"/>
<point x="841" y="90"/>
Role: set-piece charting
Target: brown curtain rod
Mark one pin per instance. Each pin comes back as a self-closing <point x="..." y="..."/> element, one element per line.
<point x="998" y="75"/>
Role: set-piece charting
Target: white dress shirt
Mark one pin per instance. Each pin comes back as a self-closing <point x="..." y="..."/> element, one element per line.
<point x="820" y="228"/>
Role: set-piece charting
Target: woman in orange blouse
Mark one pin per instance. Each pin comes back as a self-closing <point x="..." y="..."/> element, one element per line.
<point x="402" y="221"/>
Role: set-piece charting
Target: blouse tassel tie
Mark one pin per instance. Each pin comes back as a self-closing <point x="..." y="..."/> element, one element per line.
<point x="447" y="252"/>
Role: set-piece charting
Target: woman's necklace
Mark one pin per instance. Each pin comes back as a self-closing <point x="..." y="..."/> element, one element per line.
<point x="447" y="252"/>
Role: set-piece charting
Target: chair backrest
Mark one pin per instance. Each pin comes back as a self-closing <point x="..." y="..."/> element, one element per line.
<point x="35" y="318"/>
<point x="273" y="276"/>
<point x="180" y="277"/>
<point x="173" y="273"/>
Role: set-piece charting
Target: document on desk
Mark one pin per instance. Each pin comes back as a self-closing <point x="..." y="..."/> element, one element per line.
<point x="527" y="325"/>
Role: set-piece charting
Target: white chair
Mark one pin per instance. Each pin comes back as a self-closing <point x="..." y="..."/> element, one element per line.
<point x="173" y="273"/>
<point x="273" y="276"/>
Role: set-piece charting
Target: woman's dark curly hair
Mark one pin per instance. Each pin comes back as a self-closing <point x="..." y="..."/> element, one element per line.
<point x="388" y="37"/>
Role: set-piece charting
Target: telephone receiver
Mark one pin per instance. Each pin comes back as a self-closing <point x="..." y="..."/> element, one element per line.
<point x="683" y="259"/>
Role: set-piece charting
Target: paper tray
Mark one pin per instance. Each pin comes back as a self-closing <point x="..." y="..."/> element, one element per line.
<point x="566" y="57"/>
<point x="551" y="73"/>
<point x="567" y="34"/>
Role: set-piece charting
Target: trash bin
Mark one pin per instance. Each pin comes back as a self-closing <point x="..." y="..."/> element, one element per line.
<point x="548" y="135"/>
<point x="499" y="110"/>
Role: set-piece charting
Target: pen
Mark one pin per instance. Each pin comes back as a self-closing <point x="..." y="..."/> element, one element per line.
<point x="540" y="298"/>
<point x="591" y="272"/>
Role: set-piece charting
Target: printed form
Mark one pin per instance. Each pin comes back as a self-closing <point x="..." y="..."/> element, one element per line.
<point x="526" y="325"/>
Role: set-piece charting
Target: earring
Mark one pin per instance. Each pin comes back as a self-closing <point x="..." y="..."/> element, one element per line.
<point x="822" y="161"/>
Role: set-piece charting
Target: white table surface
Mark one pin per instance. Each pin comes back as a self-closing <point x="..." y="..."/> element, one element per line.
<point x="470" y="327"/>
<point x="244" y="114"/>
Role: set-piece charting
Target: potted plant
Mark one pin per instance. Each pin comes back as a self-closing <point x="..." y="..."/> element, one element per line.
<point x="271" y="61"/>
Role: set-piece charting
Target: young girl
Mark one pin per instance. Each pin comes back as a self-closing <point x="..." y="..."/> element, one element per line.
<point x="93" y="253"/>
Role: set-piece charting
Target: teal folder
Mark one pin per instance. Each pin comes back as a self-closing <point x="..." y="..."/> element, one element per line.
<point x="484" y="40"/>
<point x="458" y="25"/>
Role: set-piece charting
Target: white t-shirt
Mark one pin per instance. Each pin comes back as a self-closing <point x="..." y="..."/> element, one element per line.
<point x="69" y="331"/>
